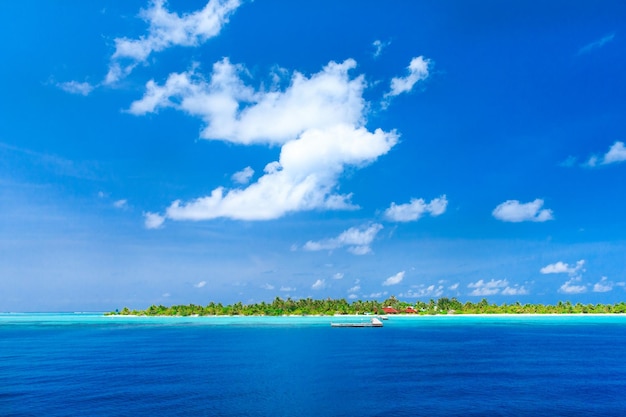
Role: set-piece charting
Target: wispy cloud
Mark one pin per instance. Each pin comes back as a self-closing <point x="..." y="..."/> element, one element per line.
<point x="420" y="291"/>
<point x="356" y="239"/>
<point x="596" y="44"/>
<point x="320" y="284"/>
<point x="415" y="209"/>
<point x="485" y="288"/>
<point x="54" y="164"/>
<point x="200" y="284"/>
<point x="167" y="29"/>
<point x="75" y="87"/>
<point x="356" y="288"/>
<point x="394" y="279"/>
<point x="515" y="290"/>
<point x="514" y="211"/>
<point x="120" y="204"/>
<point x="379" y="46"/>
<point x="604" y="285"/>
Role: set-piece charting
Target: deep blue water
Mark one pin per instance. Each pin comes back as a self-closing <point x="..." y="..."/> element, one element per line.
<point x="88" y="365"/>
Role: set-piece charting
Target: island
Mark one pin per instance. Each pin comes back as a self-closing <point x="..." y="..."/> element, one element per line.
<point x="331" y="307"/>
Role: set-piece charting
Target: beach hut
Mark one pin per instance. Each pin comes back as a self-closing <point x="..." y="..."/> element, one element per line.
<point x="390" y="310"/>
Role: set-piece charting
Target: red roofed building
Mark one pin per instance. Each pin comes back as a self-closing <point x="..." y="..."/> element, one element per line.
<point x="410" y="310"/>
<point x="390" y="310"/>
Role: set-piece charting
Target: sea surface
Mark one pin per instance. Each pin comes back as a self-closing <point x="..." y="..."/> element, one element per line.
<point x="92" y="365"/>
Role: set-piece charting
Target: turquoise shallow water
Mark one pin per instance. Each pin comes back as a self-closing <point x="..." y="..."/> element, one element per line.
<point x="87" y="364"/>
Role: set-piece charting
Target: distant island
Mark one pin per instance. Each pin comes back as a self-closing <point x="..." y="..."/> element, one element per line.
<point x="330" y="307"/>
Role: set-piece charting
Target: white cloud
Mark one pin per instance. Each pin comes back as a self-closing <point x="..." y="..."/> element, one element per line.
<point x="604" y="285"/>
<point x="617" y="153"/>
<point x="75" y="87"/>
<point x="317" y="120"/>
<point x="420" y="291"/>
<point x="415" y="209"/>
<point x="320" y="284"/>
<point x="563" y="268"/>
<point x="356" y="288"/>
<point x="352" y="297"/>
<point x="267" y="286"/>
<point x="200" y="284"/>
<point x="338" y="275"/>
<point x="482" y="288"/>
<point x="417" y="71"/>
<point x="243" y="176"/>
<point x="515" y="290"/>
<point x="596" y="44"/>
<point x="167" y="29"/>
<point x="357" y="239"/>
<point x="454" y="287"/>
<point x="377" y="294"/>
<point x="394" y="279"/>
<point x="287" y="289"/>
<point x="574" y="272"/>
<point x="570" y="287"/>
<point x="514" y="211"/>
<point x="153" y="220"/>
<point x="379" y="46"/>
<point x="120" y="204"/>
<point x="325" y="99"/>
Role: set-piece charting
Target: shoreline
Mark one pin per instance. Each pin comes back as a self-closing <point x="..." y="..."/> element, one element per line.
<point x="389" y="316"/>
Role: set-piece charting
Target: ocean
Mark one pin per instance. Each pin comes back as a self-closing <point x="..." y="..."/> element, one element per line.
<point x="92" y="365"/>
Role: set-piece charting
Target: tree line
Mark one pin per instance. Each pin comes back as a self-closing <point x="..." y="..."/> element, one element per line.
<point x="309" y="306"/>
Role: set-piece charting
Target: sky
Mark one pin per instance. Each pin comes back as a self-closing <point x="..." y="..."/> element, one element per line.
<point x="180" y="152"/>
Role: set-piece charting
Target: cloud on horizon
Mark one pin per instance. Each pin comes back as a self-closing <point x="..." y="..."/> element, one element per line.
<point x="394" y="279"/>
<point x="571" y="286"/>
<point x="419" y="291"/>
<point x="493" y="287"/>
<point x="320" y="284"/>
<point x="604" y="285"/>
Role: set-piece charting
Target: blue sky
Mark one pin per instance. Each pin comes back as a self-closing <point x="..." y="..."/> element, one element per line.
<point x="187" y="152"/>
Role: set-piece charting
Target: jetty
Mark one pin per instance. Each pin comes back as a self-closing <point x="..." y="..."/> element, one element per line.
<point x="374" y="322"/>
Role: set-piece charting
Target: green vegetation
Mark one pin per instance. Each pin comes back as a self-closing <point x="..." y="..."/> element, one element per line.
<point x="308" y="306"/>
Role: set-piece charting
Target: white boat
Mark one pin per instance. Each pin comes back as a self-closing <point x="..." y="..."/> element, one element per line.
<point x="374" y="322"/>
